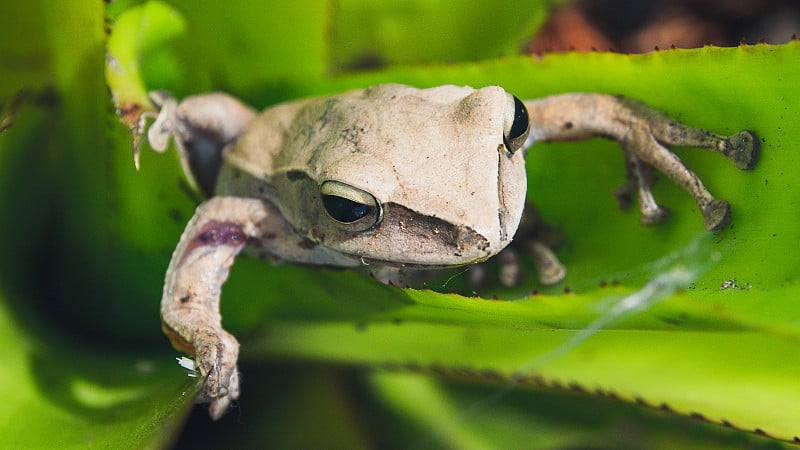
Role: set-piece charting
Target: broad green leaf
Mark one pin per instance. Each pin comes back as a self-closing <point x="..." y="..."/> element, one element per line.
<point x="92" y="238"/>
<point x="719" y="353"/>
<point x="245" y="47"/>
<point x="137" y="42"/>
<point x="59" y="393"/>
<point x="698" y="333"/>
<point x="59" y="390"/>
<point x="366" y="33"/>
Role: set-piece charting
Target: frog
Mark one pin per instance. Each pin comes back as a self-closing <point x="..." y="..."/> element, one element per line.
<point x="386" y="176"/>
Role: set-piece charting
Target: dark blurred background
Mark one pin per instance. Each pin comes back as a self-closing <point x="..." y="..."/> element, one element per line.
<point x="636" y="26"/>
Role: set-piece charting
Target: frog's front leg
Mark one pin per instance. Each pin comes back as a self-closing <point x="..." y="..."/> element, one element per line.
<point x="643" y="133"/>
<point x="202" y="126"/>
<point x="200" y="264"/>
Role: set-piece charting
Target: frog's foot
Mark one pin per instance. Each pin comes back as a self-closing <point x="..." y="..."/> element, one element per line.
<point x="652" y="215"/>
<point x="216" y="354"/>
<point x="640" y="179"/>
<point x="651" y="212"/>
<point x="551" y="270"/>
<point x="648" y="147"/>
<point x="537" y="238"/>
<point x="161" y="131"/>
<point x="716" y="215"/>
<point x="201" y="126"/>
<point x="511" y="272"/>
<point x="742" y="149"/>
<point x="625" y="194"/>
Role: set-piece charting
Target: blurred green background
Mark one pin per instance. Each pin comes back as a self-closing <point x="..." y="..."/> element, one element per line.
<point x="335" y="360"/>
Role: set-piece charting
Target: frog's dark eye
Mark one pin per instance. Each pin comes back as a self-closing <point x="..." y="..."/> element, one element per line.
<point x="351" y="208"/>
<point x="517" y="124"/>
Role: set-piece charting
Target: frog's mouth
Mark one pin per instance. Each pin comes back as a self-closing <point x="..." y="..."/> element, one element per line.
<point x="406" y="238"/>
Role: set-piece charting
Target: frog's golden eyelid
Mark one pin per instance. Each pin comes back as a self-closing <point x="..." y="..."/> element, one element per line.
<point x="350" y="208"/>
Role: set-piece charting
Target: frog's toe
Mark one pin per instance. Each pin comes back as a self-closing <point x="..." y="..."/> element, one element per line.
<point x="219" y="405"/>
<point x="216" y="357"/>
<point x="653" y="216"/>
<point x="625" y="194"/>
<point x="717" y="215"/>
<point x="551" y="270"/>
<point x="742" y="149"/>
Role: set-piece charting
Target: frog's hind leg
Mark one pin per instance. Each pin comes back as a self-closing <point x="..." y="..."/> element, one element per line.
<point x="644" y="134"/>
<point x="741" y="148"/>
<point x="648" y="144"/>
<point x="202" y="126"/>
<point x="652" y="130"/>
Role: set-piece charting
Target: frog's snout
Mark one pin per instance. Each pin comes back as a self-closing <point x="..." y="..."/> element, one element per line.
<point x="511" y="191"/>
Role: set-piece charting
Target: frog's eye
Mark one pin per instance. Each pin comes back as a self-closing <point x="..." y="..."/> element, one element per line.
<point x="351" y="208"/>
<point x="517" y="124"/>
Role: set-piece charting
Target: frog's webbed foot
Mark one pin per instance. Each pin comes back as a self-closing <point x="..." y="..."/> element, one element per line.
<point x="190" y="313"/>
<point x="202" y="125"/>
<point x="644" y="134"/>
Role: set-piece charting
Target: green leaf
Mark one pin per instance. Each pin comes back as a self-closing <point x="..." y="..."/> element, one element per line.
<point x="367" y="33"/>
<point x="718" y="353"/>
<point x="60" y="391"/>
<point x="245" y="48"/>
<point x="62" y="394"/>
<point x="87" y="239"/>
<point x="138" y="35"/>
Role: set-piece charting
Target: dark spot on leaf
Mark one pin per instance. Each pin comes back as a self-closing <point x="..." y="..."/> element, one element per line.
<point x="413" y="367"/>
<point x="391" y="366"/>
<point x="438" y="369"/>
<point x="671" y="321"/>
<point x="492" y="374"/>
<point x="176" y="216"/>
<point x="577" y="388"/>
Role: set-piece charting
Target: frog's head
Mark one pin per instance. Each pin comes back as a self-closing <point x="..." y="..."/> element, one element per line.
<point x="401" y="176"/>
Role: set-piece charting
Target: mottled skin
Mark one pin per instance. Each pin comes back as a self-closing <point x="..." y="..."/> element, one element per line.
<point x="386" y="176"/>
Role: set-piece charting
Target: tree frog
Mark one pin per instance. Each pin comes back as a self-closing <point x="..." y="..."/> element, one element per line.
<point x="390" y="175"/>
